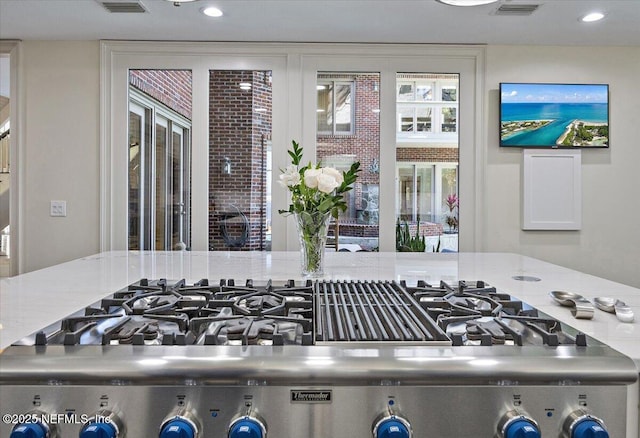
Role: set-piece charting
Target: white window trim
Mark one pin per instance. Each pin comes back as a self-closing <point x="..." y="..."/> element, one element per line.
<point x="295" y="68"/>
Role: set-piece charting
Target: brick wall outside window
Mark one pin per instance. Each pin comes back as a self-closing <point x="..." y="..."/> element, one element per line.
<point x="238" y="132"/>
<point x="428" y="155"/>
<point x="171" y="87"/>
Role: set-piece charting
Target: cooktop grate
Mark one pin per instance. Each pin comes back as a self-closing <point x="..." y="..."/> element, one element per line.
<point x="372" y="311"/>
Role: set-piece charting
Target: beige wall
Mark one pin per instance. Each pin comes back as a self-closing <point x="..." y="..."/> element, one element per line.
<point x="61" y="83"/>
<point x="61" y="123"/>
<point x="608" y="245"/>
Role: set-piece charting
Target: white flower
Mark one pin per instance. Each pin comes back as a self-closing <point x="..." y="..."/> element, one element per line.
<point x="324" y="179"/>
<point x="311" y="178"/>
<point x="327" y="183"/>
<point x="336" y="174"/>
<point x="290" y="177"/>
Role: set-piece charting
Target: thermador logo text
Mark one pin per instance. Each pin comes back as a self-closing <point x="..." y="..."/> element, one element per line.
<point x="311" y="396"/>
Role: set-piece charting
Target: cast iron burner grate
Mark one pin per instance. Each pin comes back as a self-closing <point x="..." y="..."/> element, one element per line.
<point x="159" y="312"/>
<point x="476" y="314"/>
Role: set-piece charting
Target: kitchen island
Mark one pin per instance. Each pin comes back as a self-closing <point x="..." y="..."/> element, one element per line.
<point x="31" y="301"/>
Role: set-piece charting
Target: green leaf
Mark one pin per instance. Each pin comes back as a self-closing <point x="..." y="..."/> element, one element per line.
<point x="325" y="205"/>
<point x="296" y="153"/>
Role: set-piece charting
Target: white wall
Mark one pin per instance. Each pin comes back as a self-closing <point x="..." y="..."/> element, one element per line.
<point x="608" y="245"/>
<point x="61" y="111"/>
<point x="61" y="81"/>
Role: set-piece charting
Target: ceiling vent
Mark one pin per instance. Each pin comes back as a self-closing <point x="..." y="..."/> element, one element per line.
<point x="516" y="9"/>
<point x="126" y="7"/>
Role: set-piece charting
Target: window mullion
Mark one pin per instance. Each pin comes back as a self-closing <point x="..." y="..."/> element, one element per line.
<point x="414" y="197"/>
<point x="167" y="184"/>
<point x="334" y="129"/>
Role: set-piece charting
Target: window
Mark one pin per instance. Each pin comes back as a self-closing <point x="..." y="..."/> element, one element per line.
<point x="427" y="107"/>
<point x="335" y="107"/>
<point x="296" y="69"/>
<point x="359" y="224"/>
<point x="415" y="192"/>
<point x="422" y="190"/>
<point x="240" y="159"/>
<point x="427" y="154"/>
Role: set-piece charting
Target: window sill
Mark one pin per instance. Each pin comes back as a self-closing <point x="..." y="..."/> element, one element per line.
<point x="330" y="136"/>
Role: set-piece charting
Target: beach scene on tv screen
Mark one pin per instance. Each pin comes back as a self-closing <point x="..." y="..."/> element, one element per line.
<point x="554" y="115"/>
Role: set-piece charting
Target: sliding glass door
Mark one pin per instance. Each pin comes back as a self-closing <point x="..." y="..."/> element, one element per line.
<point x="159" y="172"/>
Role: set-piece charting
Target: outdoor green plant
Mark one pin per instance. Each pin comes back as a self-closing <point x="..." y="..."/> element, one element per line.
<point x="436" y="248"/>
<point x="405" y="242"/>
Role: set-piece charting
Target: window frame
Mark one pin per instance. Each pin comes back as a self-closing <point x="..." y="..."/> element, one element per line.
<point x="295" y="67"/>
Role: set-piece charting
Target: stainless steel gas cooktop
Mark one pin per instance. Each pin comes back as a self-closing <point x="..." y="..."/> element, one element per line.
<point x="162" y="312"/>
<point x="329" y="358"/>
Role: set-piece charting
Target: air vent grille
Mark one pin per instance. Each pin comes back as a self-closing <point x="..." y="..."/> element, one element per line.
<point x="516" y="9"/>
<point x="130" y="7"/>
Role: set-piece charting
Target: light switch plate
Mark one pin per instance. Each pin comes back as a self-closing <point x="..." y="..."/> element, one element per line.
<point x="58" y="208"/>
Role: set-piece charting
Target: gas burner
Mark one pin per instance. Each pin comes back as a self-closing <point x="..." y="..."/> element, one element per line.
<point x="136" y="333"/>
<point x="258" y="304"/>
<point x="476" y="314"/>
<point x="240" y="330"/>
<point x="153" y="312"/>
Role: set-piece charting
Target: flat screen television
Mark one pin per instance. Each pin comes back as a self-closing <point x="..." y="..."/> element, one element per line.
<point x="534" y="115"/>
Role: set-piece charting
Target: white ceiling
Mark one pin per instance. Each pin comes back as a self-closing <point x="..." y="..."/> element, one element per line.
<point x="392" y="21"/>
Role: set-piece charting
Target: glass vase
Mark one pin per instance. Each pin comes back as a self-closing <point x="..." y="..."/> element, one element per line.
<point x="312" y="232"/>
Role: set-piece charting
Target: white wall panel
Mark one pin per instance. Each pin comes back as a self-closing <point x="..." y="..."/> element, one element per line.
<point x="552" y="190"/>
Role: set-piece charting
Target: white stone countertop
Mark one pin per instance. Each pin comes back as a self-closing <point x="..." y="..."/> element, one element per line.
<point x="34" y="300"/>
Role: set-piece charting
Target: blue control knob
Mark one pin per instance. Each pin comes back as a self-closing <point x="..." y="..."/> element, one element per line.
<point x="99" y="430"/>
<point x="177" y="428"/>
<point x="30" y="430"/>
<point x="246" y="428"/>
<point x="589" y="428"/>
<point x="522" y="429"/>
<point x="392" y="428"/>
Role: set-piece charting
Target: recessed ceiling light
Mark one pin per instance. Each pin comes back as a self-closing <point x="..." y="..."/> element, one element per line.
<point x="594" y="16"/>
<point x="467" y="2"/>
<point x="212" y="12"/>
